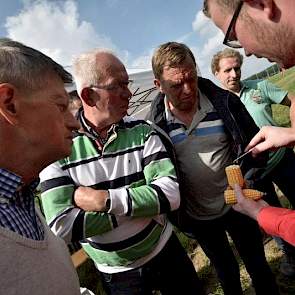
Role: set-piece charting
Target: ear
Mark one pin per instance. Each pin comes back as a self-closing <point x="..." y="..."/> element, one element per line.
<point x="266" y="6"/>
<point x="89" y="96"/>
<point x="8" y="103"/>
<point x="157" y="83"/>
<point x="216" y="74"/>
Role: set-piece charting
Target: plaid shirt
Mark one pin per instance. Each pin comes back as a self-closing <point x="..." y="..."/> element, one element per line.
<point x="17" y="206"/>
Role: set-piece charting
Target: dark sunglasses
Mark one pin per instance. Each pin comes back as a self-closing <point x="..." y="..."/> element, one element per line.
<point x="231" y="39"/>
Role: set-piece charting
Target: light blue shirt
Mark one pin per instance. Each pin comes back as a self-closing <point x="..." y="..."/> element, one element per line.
<point x="258" y="96"/>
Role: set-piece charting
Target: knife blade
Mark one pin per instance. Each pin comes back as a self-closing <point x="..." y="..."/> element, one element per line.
<point x="242" y="156"/>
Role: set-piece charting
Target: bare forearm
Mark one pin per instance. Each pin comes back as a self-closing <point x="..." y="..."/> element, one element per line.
<point x="90" y="199"/>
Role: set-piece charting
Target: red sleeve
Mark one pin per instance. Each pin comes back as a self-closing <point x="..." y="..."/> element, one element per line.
<point x="278" y="222"/>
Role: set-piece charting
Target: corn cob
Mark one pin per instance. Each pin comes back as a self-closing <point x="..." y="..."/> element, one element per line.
<point x="234" y="176"/>
<point x="230" y="196"/>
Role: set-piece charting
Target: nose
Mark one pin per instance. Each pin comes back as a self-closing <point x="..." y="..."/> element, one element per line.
<point x="247" y="53"/>
<point x="126" y="93"/>
<point x="71" y="122"/>
<point x="187" y="88"/>
<point x="233" y="73"/>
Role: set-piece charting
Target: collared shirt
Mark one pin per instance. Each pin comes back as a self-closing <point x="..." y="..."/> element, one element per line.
<point x="135" y="229"/>
<point x="17" y="206"/>
<point x="258" y="96"/>
<point x="203" y="150"/>
<point x="91" y="132"/>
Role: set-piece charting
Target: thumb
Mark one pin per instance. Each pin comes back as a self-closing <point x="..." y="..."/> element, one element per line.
<point x="238" y="192"/>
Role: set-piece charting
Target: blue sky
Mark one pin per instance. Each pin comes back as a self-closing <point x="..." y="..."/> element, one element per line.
<point x="131" y="28"/>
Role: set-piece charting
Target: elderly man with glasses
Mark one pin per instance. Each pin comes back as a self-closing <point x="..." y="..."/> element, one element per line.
<point x="266" y="29"/>
<point x="114" y="190"/>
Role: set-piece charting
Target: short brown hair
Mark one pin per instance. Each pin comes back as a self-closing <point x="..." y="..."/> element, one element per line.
<point x="228" y="5"/>
<point x="173" y="53"/>
<point x="227" y="52"/>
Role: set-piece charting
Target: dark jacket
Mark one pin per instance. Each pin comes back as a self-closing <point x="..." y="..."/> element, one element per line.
<point x="239" y="124"/>
<point x="237" y="121"/>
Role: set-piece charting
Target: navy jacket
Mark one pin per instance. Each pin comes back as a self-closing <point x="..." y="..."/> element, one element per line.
<point x="239" y="125"/>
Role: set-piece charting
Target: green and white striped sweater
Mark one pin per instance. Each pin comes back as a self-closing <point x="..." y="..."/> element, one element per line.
<point x="135" y="168"/>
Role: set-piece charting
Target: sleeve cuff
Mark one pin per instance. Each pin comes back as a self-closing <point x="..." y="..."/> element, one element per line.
<point x="119" y="201"/>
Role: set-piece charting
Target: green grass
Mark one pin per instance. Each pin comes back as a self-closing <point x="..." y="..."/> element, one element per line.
<point x="89" y="276"/>
<point x="285" y="80"/>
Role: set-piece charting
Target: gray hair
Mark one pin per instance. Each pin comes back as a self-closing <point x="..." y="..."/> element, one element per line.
<point x="25" y="67"/>
<point x="85" y="69"/>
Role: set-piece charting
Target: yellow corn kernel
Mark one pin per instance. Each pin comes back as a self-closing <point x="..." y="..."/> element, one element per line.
<point x="230" y="196"/>
<point x="234" y="175"/>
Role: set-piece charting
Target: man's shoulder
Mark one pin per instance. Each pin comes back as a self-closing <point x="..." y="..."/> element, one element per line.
<point x="130" y="120"/>
<point x="255" y="84"/>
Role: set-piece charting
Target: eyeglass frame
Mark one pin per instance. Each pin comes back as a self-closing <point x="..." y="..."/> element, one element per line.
<point x="113" y="87"/>
<point x="232" y="23"/>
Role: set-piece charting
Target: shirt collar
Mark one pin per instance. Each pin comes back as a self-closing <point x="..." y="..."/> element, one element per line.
<point x="204" y="106"/>
<point x="10" y="183"/>
<point x="243" y="87"/>
<point x="89" y="130"/>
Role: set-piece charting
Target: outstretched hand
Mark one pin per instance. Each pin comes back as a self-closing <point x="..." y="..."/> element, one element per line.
<point x="247" y="206"/>
<point x="271" y="138"/>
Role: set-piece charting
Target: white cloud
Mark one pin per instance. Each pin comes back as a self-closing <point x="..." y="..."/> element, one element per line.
<point x="203" y="25"/>
<point x="143" y="61"/>
<point x="54" y="28"/>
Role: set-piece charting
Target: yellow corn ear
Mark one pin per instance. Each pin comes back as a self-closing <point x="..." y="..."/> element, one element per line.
<point x="234" y="176"/>
<point x="230" y="196"/>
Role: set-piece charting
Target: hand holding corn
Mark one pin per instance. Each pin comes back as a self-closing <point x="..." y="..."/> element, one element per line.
<point x="246" y="205"/>
<point x="234" y="176"/>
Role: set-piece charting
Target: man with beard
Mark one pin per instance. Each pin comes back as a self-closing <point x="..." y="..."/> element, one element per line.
<point x="208" y="127"/>
<point x="258" y="96"/>
<point x="265" y="28"/>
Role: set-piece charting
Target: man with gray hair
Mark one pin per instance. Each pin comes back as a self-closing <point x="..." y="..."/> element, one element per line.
<point x="35" y="130"/>
<point x="114" y="190"/>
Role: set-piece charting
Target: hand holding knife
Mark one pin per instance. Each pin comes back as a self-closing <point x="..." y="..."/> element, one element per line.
<point x="242" y="156"/>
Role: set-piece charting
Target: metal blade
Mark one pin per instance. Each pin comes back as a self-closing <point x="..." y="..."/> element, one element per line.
<point x="242" y="156"/>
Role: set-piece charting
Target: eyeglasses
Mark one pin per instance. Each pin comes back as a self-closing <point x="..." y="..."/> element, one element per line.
<point x="231" y="39"/>
<point x="114" y="86"/>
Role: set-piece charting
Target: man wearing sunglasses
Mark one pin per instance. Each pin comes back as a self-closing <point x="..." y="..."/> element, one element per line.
<point x="265" y="28"/>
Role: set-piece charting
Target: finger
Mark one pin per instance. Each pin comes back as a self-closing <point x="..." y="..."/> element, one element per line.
<point x="238" y="192"/>
<point x="258" y="138"/>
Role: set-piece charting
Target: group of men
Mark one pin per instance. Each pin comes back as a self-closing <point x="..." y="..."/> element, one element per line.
<point x="265" y="29"/>
<point x="115" y="184"/>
